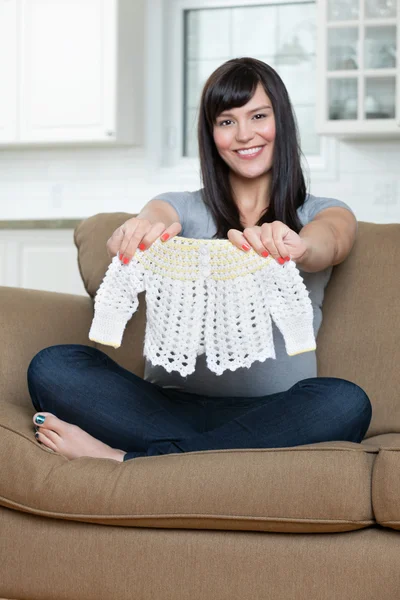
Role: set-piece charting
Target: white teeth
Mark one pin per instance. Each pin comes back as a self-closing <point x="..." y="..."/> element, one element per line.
<point x="250" y="151"/>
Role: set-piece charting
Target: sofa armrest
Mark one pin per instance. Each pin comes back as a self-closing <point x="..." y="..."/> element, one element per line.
<point x="31" y="320"/>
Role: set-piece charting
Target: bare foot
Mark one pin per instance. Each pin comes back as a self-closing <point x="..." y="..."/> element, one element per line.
<point x="71" y="441"/>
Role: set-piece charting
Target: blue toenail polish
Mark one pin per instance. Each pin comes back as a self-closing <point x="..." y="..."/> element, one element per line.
<point x="40" y="419"/>
<point x="36" y="435"/>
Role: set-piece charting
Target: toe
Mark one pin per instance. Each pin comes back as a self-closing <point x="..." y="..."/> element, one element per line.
<point x="44" y="439"/>
<point x="48" y="417"/>
<point x="52" y="436"/>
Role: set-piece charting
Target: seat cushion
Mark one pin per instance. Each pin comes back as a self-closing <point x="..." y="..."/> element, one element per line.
<point x="324" y="487"/>
<point x="386" y="479"/>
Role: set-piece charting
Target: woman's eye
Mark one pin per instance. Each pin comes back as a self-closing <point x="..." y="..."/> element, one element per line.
<point x="222" y="123"/>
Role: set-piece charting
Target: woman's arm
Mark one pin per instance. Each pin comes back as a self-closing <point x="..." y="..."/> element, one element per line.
<point x="330" y="236"/>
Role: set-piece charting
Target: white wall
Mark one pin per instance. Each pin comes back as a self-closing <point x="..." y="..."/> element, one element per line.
<point x="368" y="179"/>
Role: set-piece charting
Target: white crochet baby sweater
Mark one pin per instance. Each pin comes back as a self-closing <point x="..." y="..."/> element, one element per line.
<point x="205" y="296"/>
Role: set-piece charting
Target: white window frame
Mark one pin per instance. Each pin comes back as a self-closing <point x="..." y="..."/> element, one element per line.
<point x="164" y="96"/>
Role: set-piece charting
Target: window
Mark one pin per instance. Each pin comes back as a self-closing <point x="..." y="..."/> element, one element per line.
<point x="194" y="37"/>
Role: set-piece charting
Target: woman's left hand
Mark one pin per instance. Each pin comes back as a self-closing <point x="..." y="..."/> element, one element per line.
<point x="275" y="238"/>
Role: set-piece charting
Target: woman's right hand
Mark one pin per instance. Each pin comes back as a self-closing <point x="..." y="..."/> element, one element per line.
<point x="140" y="233"/>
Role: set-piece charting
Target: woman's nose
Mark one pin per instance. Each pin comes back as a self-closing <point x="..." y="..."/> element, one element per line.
<point x="244" y="133"/>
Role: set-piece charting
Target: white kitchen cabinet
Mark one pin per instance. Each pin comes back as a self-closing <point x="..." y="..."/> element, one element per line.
<point x="8" y="71"/>
<point x="75" y="71"/>
<point x="40" y="259"/>
<point x="358" y="68"/>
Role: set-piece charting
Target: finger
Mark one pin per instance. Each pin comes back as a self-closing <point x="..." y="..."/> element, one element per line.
<point x="278" y="231"/>
<point x="114" y="242"/>
<point x="268" y="241"/>
<point x="171" y="231"/>
<point x="159" y="231"/>
<point x="236" y="237"/>
<point x="252" y="236"/>
<point x="151" y="236"/>
<point x="132" y="239"/>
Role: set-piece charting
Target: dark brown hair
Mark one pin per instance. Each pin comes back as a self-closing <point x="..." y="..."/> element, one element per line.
<point x="232" y="85"/>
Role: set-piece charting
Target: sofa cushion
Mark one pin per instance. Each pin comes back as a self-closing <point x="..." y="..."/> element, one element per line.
<point x="90" y="237"/>
<point x="323" y="487"/>
<point x="386" y="484"/>
<point x="359" y="336"/>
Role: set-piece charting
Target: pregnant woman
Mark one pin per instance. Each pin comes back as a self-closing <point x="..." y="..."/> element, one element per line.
<point x="254" y="195"/>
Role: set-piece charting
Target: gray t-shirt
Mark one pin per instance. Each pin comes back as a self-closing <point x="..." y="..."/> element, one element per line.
<point x="262" y="378"/>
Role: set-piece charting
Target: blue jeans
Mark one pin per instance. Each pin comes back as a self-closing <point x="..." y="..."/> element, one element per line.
<point x="83" y="386"/>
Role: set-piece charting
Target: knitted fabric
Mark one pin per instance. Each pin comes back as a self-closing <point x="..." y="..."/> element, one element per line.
<point x="205" y="296"/>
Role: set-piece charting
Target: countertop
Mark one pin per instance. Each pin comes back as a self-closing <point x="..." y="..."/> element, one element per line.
<point x="40" y="224"/>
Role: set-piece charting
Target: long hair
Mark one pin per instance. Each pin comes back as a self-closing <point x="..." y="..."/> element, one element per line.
<point x="232" y="85"/>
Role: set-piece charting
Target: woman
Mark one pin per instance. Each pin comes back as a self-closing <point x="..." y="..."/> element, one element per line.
<point x="254" y="194"/>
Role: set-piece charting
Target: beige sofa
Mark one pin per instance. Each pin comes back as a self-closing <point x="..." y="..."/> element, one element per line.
<point x="315" y="522"/>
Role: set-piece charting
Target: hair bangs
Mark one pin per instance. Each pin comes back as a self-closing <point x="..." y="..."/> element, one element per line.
<point x="234" y="89"/>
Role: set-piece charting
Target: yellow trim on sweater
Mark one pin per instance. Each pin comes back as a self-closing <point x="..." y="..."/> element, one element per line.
<point x="179" y="258"/>
<point x="104" y="343"/>
<point x="303" y="351"/>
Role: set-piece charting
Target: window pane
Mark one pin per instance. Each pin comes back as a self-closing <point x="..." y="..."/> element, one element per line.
<point x="262" y="22"/>
<point x="380" y="47"/>
<point x="283" y="36"/>
<point x="342" y="49"/>
<point x="343" y="99"/>
<point x="208" y="33"/>
<point x="343" y="10"/>
<point x="380" y="98"/>
<point x="380" y="8"/>
<point x="297" y="28"/>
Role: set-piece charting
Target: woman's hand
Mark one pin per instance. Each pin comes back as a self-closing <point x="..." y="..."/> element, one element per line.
<point x="140" y="233"/>
<point x="273" y="238"/>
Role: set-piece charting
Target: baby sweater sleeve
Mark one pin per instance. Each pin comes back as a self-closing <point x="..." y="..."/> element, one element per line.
<point x="291" y="307"/>
<point x="116" y="301"/>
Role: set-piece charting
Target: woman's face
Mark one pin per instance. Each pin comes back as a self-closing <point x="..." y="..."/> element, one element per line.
<point x="250" y="127"/>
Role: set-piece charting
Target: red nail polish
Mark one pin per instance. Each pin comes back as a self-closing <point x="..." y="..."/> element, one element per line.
<point x="121" y="257"/>
<point x="142" y="247"/>
<point x="245" y="247"/>
<point x="265" y="253"/>
<point x="164" y="237"/>
<point x="126" y="260"/>
<point x="281" y="260"/>
<point x="287" y="258"/>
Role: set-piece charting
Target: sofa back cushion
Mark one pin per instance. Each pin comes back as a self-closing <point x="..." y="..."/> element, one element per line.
<point x="360" y="332"/>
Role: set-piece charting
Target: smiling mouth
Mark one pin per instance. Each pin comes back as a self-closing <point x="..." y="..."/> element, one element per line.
<point x="249" y="152"/>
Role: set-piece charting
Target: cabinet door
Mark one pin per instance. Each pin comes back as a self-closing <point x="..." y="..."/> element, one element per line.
<point x="8" y="70"/>
<point x="358" y="68"/>
<point x="68" y="70"/>
<point x="40" y="260"/>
